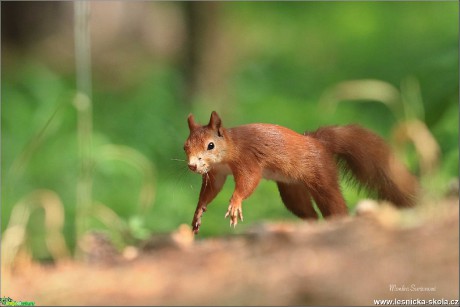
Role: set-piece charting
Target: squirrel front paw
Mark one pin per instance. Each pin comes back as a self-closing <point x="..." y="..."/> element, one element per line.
<point x="235" y="212"/>
<point x="196" y="223"/>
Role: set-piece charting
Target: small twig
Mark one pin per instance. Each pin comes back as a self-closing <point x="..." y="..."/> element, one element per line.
<point x="83" y="104"/>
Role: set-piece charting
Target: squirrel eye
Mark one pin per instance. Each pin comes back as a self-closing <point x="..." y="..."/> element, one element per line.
<point x="211" y="146"/>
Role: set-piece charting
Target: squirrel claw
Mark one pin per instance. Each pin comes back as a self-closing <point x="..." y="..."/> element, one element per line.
<point x="234" y="214"/>
<point x="196" y="223"/>
<point x="233" y="222"/>
<point x="196" y="229"/>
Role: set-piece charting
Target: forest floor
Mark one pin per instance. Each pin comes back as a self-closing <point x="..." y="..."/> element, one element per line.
<point x="381" y="254"/>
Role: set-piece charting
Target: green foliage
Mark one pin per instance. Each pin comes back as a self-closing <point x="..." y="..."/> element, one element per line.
<point x="289" y="54"/>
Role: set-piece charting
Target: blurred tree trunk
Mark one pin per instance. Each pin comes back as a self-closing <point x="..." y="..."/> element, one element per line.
<point x="26" y="22"/>
<point x="206" y="53"/>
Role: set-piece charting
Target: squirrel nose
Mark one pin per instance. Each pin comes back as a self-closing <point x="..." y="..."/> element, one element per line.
<point x="192" y="167"/>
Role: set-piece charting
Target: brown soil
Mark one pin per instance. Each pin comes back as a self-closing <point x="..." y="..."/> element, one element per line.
<point x="385" y="254"/>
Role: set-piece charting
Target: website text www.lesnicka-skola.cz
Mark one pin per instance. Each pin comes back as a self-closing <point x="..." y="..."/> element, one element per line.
<point x="417" y="302"/>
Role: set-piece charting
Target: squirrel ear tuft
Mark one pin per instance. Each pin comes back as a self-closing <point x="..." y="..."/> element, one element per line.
<point x="215" y="123"/>
<point x="191" y="122"/>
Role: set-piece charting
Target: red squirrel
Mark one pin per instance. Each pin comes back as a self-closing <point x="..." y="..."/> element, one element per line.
<point x="304" y="166"/>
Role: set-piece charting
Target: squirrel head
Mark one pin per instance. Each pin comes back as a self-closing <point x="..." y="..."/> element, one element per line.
<point x="206" y="145"/>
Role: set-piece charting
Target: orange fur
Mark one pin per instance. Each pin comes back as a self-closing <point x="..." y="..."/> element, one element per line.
<point x="303" y="166"/>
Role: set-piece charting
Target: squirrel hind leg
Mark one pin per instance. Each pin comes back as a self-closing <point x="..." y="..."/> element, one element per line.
<point x="297" y="199"/>
<point x="330" y="205"/>
<point x="329" y="199"/>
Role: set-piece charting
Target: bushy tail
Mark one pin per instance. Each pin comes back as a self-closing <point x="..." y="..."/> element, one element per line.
<point x="371" y="161"/>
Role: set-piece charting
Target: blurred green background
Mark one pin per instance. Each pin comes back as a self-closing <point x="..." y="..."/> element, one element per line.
<point x="155" y="62"/>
